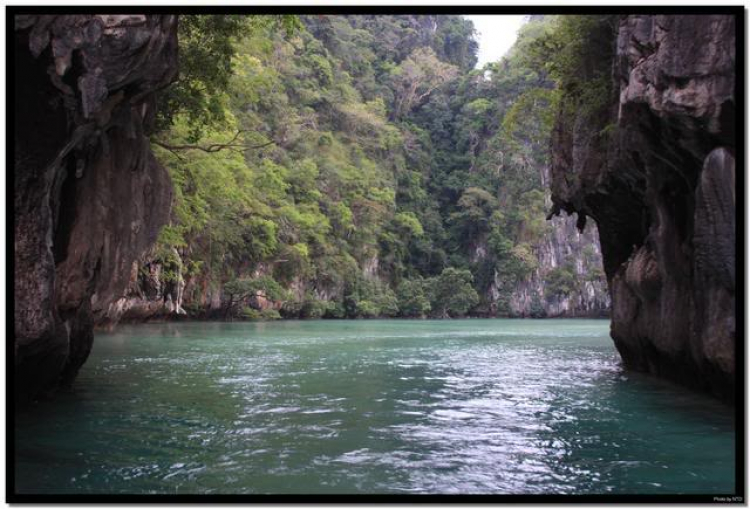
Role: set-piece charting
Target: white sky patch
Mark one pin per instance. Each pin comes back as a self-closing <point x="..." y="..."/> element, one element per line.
<point x="495" y="35"/>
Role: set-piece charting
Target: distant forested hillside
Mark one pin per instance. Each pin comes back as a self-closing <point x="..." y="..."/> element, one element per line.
<point x="359" y="166"/>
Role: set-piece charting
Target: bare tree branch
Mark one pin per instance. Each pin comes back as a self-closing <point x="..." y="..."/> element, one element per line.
<point x="214" y="147"/>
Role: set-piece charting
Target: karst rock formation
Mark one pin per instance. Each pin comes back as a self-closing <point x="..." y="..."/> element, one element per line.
<point x="661" y="188"/>
<point x="89" y="195"/>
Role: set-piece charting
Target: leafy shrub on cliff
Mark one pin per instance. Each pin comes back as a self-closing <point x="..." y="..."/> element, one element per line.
<point x="171" y="264"/>
<point x="249" y="313"/>
<point x="367" y="298"/>
<point x="366" y="309"/>
<point x="239" y="291"/>
<point x="382" y="304"/>
<point x="335" y="310"/>
<point x="474" y="209"/>
<point x="388" y="303"/>
<point x="270" y="314"/>
<point x="451" y="293"/>
<point x="193" y="309"/>
<point x="412" y="301"/>
<point x="206" y="46"/>
<point x="577" y="55"/>
<point x="531" y="117"/>
<point x="561" y="281"/>
<point x="245" y="287"/>
<point x="420" y="74"/>
<point x="314" y="308"/>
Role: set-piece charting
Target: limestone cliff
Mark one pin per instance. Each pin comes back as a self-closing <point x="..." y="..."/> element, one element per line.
<point x="89" y="195"/>
<point x="562" y="250"/>
<point x="661" y="189"/>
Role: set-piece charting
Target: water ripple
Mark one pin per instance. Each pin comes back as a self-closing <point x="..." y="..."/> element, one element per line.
<point x="480" y="406"/>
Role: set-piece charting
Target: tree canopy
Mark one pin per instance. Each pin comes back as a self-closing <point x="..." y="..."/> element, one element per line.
<point x="360" y="163"/>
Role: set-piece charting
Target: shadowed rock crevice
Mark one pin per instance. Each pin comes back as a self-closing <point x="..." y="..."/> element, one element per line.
<point x="89" y="195"/>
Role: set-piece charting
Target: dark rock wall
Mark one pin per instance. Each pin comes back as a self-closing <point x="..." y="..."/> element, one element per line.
<point x="89" y="195"/>
<point x="661" y="189"/>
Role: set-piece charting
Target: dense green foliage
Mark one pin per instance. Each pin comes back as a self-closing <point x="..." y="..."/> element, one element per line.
<point x="356" y="166"/>
<point x="451" y="292"/>
<point x="206" y="46"/>
<point x="576" y="53"/>
<point x="561" y="281"/>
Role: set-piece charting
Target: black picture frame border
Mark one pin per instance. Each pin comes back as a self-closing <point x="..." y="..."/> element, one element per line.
<point x="738" y="497"/>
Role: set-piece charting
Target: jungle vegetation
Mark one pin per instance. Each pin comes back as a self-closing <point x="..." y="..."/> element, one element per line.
<point x="360" y="166"/>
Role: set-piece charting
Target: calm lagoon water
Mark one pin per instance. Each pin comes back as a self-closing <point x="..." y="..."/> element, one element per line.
<point x="377" y="406"/>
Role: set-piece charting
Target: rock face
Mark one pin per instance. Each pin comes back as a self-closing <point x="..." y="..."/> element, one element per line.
<point x="661" y="189"/>
<point x="159" y="291"/>
<point x="563" y="246"/>
<point x="89" y="195"/>
<point x="156" y="292"/>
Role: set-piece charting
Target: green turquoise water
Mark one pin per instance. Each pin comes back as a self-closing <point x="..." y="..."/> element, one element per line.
<point x="380" y="406"/>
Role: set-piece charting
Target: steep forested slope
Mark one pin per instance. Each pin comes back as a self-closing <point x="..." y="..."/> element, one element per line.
<point x="359" y="166"/>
